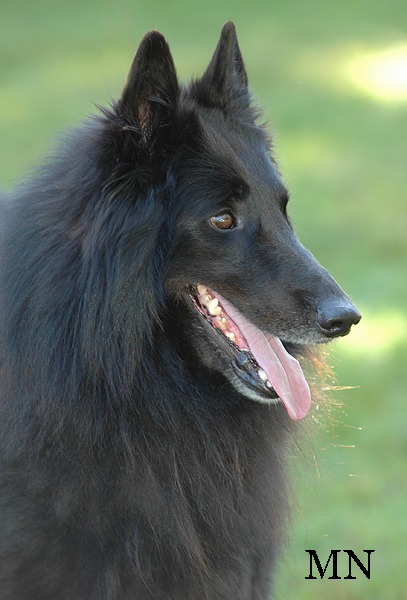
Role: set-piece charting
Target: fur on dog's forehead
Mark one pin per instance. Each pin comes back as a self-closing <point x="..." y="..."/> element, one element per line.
<point x="240" y="150"/>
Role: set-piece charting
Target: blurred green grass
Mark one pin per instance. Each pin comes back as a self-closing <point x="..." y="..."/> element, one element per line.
<point x="343" y="153"/>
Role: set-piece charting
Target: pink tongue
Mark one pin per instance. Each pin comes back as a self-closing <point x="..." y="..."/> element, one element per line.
<point x="283" y="370"/>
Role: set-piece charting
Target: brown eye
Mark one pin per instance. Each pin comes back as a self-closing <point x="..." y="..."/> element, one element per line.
<point x="224" y="221"/>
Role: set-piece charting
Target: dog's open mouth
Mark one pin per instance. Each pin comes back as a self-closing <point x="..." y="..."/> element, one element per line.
<point x="258" y="358"/>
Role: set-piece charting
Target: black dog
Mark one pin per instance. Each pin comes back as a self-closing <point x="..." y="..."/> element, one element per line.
<point x="153" y="296"/>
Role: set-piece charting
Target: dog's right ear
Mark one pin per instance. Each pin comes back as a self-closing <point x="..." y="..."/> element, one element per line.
<point x="150" y="97"/>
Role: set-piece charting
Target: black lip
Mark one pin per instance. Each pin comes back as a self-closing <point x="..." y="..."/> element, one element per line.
<point x="245" y="370"/>
<point x="243" y="363"/>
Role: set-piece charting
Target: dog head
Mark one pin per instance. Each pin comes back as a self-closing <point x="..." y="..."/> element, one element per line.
<point x="249" y="294"/>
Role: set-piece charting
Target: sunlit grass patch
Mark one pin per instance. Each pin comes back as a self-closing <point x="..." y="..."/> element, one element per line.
<point x="346" y="68"/>
<point x="381" y="74"/>
<point x="377" y="333"/>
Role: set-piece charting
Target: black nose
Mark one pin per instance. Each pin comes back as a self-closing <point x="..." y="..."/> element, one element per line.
<point x="336" y="318"/>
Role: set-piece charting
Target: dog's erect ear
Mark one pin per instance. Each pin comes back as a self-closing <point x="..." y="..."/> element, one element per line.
<point x="226" y="75"/>
<point x="150" y="96"/>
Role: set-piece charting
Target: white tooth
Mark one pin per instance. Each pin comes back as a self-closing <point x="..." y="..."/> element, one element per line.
<point x="230" y="335"/>
<point x="206" y="298"/>
<point x="213" y="307"/>
<point x="262" y="374"/>
<point x="201" y="289"/>
<point x="221" y="322"/>
<point x="268" y="384"/>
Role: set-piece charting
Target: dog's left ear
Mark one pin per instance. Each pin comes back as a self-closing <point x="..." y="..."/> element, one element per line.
<point x="226" y="75"/>
<point x="150" y="96"/>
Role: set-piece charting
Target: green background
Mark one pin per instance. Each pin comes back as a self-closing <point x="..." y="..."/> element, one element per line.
<point x="342" y="147"/>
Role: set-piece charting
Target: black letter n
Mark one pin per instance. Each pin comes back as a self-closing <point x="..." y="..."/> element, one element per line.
<point x="314" y="555"/>
<point x="351" y="555"/>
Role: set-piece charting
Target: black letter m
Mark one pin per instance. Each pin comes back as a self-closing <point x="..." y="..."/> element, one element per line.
<point x="314" y="555"/>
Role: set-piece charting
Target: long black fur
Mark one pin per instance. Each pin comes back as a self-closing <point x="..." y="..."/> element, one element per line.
<point x="131" y="467"/>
